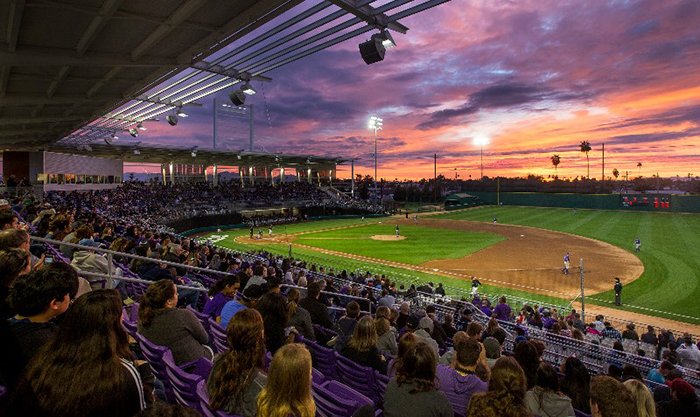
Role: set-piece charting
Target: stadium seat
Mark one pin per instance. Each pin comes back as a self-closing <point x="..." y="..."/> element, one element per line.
<point x="204" y="408"/>
<point x="323" y="359"/>
<point x="184" y="384"/>
<point x="203" y="318"/>
<point x="357" y="376"/>
<point x="218" y="336"/>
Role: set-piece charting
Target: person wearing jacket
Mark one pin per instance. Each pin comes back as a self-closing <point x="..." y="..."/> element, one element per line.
<point x="545" y="399"/>
<point x="459" y="381"/>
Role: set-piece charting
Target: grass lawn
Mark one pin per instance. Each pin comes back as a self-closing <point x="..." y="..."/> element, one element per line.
<point x="671" y="278"/>
<point x="422" y="244"/>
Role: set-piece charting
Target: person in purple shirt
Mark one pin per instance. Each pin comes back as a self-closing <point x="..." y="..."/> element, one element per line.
<point x="460" y="380"/>
<point x="220" y="293"/>
<point x="486" y="307"/>
<point x="502" y="310"/>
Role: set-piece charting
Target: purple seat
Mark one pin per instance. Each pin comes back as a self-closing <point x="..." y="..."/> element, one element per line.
<point x="184" y="384"/>
<point x="130" y="326"/>
<point x="337" y="399"/>
<point x="203" y="318"/>
<point x="382" y="381"/>
<point x="358" y="377"/>
<point x="323" y="359"/>
<point x="204" y="407"/>
<point x="154" y="356"/>
<point x="317" y="377"/>
<point x="218" y="336"/>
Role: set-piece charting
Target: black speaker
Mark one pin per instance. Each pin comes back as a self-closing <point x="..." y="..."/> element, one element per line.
<point x="172" y="119"/>
<point x="237" y="97"/>
<point x="372" y="51"/>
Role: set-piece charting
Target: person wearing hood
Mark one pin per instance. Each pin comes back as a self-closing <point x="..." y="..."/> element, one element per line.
<point x="459" y="380"/>
<point x="86" y="260"/>
<point x="545" y="399"/>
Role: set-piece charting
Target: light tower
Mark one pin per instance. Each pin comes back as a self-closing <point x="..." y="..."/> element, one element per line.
<point x="481" y="141"/>
<point x="375" y="123"/>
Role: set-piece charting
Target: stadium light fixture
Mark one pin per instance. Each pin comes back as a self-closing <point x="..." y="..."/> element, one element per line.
<point x="386" y="38"/>
<point x="172" y="119"/>
<point x="194" y="154"/>
<point x="376" y="123"/>
<point x="181" y="113"/>
<point x="375" y="48"/>
<point x="481" y="141"/>
<point x="140" y="126"/>
<point x="248" y="89"/>
<point x="237" y="97"/>
<point x="133" y="132"/>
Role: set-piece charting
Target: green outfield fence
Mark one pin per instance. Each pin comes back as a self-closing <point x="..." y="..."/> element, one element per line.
<point x="633" y="202"/>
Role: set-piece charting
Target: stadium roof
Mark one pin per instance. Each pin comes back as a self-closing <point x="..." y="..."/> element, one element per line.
<point x="206" y="157"/>
<point x="80" y="70"/>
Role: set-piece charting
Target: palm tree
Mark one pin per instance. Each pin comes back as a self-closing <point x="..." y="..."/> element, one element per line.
<point x="639" y="165"/>
<point x="555" y="161"/>
<point x="585" y="147"/>
<point x="616" y="173"/>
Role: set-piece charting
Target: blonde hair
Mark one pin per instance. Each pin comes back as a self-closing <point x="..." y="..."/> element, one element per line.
<point x="642" y="396"/>
<point x="288" y="389"/>
<point x="364" y="337"/>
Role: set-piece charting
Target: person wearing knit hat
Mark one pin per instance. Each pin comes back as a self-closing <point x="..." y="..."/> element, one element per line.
<point x="684" y="401"/>
<point x="493" y="350"/>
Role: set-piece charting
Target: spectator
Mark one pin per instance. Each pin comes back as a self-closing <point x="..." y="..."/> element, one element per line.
<point x="650" y="336"/>
<point x="526" y="355"/>
<point x="642" y="398"/>
<point x="162" y="409"/>
<point x="14" y="263"/>
<point x="502" y="311"/>
<point x="273" y="308"/>
<point x="609" y="398"/>
<point x="630" y="372"/>
<point x="493" y="351"/>
<point x="422" y="328"/>
<point x="448" y="327"/>
<point x="683" y="403"/>
<point x="688" y="353"/>
<point x="610" y="332"/>
<point x="220" y="293"/>
<point x="412" y="393"/>
<point x="317" y="310"/>
<point x="630" y="332"/>
<point x="406" y="342"/>
<point x="362" y="346"/>
<point x="237" y="377"/>
<point x="288" y="389"/>
<point x="459" y="380"/>
<point x="494" y="330"/>
<point x="545" y="399"/>
<point x="177" y="329"/>
<point x="506" y="393"/>
<point x="576" y="383"/>
<point x="299" y="317"/>
<point x="387" y="300"/>
<point x="38" y="299"/>
<point x="248" y="299"/>
<point x="386" y="341"/>
<point x="404" y="314"/>
<point x="87" y="368"/>
<point x="346" y="325"/>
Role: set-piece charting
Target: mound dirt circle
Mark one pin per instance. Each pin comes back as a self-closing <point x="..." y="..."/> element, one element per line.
<point x="392" y="238"/>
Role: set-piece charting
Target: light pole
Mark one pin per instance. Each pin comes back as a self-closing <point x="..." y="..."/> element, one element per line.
<point x="481" y="141"/>
<point x="375" y="123"/>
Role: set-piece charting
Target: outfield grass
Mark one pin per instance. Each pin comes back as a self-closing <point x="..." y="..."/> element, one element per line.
<point x="671" y="278"/>
<point x="422" y="244"/>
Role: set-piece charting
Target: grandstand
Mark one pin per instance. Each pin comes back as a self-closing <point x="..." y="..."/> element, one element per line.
<point x="66" y="201"/>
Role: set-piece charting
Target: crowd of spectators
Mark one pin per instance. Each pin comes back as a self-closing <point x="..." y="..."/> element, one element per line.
<point x="440" y="364"/>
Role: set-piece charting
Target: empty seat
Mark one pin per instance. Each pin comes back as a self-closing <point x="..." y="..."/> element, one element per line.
<point x="356" y="376"/>
<point x="323" y="359"/>
<point x="218" y="336"/>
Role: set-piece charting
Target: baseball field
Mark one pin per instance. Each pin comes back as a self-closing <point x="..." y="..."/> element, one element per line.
<point x="520" y="254"/>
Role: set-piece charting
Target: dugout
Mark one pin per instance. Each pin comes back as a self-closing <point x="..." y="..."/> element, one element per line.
<point x="461" y="200"/>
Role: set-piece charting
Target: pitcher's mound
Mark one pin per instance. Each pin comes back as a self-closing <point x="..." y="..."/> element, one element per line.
<point x="388" y="237"/>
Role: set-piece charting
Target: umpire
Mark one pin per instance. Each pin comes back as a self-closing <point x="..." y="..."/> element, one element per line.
<point x="618" y="291"/>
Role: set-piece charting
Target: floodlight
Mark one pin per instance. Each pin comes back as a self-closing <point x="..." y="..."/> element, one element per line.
<point x="248" y="89"/>
<point x="237" y="97"/>
<point x="137" y="152"/>
<point x="481" y="141"/>
<point x="386" y="38"/>
<point x="140" y="126"/>
<point x="194" y="154"/>
<point x="181" y="113"/>
<point x="372" y="50"/>
<point x="133" y="132"/>
<point x="172" y="119"/>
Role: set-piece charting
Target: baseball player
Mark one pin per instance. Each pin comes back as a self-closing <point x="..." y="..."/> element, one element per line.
<point x="475" y="286"/>
<point x="637" y="245"/>
<point x="397" y="230"/>
<point x="567" y="262"/>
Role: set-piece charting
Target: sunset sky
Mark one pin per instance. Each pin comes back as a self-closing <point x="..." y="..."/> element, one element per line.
<point x="533" y="77"/>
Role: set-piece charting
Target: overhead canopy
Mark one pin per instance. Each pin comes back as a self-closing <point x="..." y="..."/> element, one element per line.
<point x="206" y="157"/>
<point x="80" y="70"/>
<point x="65" y="63"/>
